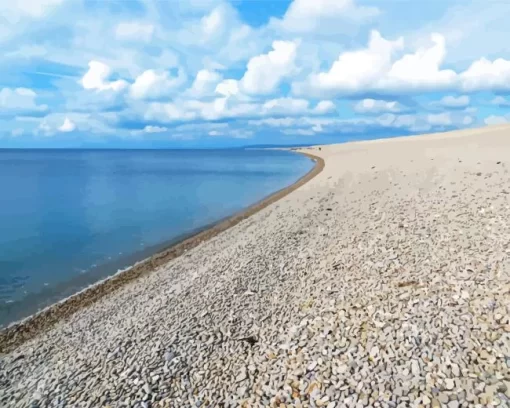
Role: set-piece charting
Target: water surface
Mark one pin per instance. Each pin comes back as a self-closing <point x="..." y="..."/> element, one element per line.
<point x="71" y="217"/>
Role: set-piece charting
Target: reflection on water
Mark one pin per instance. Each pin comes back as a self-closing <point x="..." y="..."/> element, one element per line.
<point x="71" y="217"/>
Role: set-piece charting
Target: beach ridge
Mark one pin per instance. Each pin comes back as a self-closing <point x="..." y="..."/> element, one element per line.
<point x="383" y="281"/>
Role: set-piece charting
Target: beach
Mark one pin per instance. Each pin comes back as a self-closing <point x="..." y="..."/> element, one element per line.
<point x="382" y="279"/>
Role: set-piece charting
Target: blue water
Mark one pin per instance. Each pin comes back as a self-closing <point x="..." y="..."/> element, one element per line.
<point x="67" y="214"/>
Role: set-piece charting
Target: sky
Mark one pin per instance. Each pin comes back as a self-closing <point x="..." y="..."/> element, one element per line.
<point x="217" y="73"/>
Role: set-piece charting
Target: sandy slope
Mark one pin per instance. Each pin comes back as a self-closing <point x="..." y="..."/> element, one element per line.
<point x="384" y="281"/>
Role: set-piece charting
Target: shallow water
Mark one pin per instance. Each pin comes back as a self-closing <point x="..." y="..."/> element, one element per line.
<point x="71" y="217"/>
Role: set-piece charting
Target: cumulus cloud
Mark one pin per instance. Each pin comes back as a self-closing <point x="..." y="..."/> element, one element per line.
<point x="485" y="75"/>
<point x="206" y="82"/>
<point x="496" y="120"/>
<point x="354" y="71"/>
<point x="238" y="71"/>
<point x="454" y="102"/>
<point x="67" y="126"/>
<point x="305" y="16"/>
<point x="440" y="119"/>
<point x="376" y="106"/>
<point x="96" y="78"/>
<point x="265" y="72"/>
<point x="19" y="100"/>
<point x="228" y="87"/>
<point x="134" y="31"/>
<point x="55" y="123"/>
<point x="152" y="84"/>
<point x="421" y="69"/>
<point x="376" y="69"/>
<point x="286" y="106"/>
<point x="324" y="107"/>
<point x="500" y="101"/>
<point x="226" y="107"/>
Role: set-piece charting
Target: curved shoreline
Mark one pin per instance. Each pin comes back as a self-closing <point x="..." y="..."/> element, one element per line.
<point x="18" y="333"/>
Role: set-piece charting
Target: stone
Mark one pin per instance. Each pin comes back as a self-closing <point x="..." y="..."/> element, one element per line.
<point x="443" y="398"/>
<point x="415" y="368"/>
<point x="241" y="376"/>
<point x="455" y="370"/>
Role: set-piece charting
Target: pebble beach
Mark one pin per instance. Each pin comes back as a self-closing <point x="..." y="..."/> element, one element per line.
<point x="383" y="281"/>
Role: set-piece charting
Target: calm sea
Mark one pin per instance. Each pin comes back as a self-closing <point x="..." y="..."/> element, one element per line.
<point x="71" y="217"/>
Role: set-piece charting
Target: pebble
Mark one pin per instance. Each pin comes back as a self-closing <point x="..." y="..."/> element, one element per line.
<point x="398" y="298"/>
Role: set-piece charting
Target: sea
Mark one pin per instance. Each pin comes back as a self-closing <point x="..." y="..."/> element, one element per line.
<point x="69" y="218"/>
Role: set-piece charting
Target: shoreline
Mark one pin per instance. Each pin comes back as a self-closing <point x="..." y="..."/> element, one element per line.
<point x="384" y="279"/>
<point x="17" y="333"/>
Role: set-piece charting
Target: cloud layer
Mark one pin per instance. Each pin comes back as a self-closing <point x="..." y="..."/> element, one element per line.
<point x="184" y="70"/>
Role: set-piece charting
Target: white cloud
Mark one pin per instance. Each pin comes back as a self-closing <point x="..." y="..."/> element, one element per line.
<point x="376" y="106"/>
<point x="152" y="84"/>
<point x="265" y="72"/>
<point x="485" y="75"/>
<point x="375" y="69"/>
<point x="235" y="133"/>
<point x="211" y="29"/>
<point x="496" y="120"/>
<point x="154" y="129"/>
<point x="12" y="10"/>
<point x="231" y="107"/>
<point x="286" y="106"/>
<point x="21" y="100"/>
<point x="324" y="107"/>
<point x="167" y="112"/>
<point x="205" y="83"/>
<point x="440" y="119"/>
<point x="306" y="16"/>
<point x="354" y="71"/>
<point x="228" y="87"/>
<point x="453" y="102"/>
<point x="500" y="101"/>
<point x="85" y="122"/>
<point x="213" y="22"/>
<point x="67" y="126"/>
<point x="317" y="128"/>
<point x="96" y="78"/>
<point x="137" y="78"/>
<point x="134" y="31"/>
<point x="412" y="123"/>
<point x="420" y="70"/>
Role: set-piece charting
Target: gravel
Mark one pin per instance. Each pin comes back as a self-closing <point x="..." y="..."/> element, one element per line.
<point x="398" y="296"/>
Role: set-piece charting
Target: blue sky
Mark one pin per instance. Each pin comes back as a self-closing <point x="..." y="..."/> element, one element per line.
<point x="210" y="73"/>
